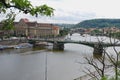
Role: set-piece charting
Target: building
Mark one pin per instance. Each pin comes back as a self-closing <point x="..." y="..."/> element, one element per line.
<point x="33" y="29"/>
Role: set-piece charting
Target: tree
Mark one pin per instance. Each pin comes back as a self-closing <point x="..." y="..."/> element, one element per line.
<point x="22" y="6"/>
<point x="113" y="61"/>
<point x="99" y="70"/>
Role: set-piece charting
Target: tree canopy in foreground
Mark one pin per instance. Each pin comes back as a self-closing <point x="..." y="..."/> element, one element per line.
<point x="24" y="6"/>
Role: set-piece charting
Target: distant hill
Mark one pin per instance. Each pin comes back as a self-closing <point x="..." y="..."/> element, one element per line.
<point x="99" y="23"/>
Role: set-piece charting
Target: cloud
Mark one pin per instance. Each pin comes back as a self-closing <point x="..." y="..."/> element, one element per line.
<point x="74" y="11"/>
<point x="64" y="12"/>
<point x="60" y="16"/>
<point x="63" y="16"/>
<point x="73" y="17"/>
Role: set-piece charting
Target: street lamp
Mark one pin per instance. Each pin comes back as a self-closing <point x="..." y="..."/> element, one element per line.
<point x="46" y="67"/>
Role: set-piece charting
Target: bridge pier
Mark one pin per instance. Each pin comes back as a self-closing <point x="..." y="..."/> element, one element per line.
<point x="58" y="46"/>
<point x="98" y="49"/>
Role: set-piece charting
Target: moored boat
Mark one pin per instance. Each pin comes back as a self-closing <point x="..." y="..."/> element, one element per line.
<point x="23" y="45"/>
<point x="1" y="47"/>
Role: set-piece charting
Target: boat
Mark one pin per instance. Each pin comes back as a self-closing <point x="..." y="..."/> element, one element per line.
<point x="23" y="45"/>
<point x="1" y="47"/>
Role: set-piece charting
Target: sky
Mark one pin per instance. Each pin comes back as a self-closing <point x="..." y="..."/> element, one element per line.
<point x="75" y="11"/>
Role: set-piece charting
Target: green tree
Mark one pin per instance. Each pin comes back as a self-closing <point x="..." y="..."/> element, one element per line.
<point x="24" y="6"/>
<point x="64" y="32"/>
<point x="96" y="32"/>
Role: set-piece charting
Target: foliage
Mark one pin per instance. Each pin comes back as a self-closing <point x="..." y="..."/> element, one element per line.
<point x="100" y="23"/>
<point x="8" y="23"/>
<point x="96" y="31"/>
<point x="23" y="6"/>
<point x="26" y="7"/>
<point x="104" y="78"/>
<point x="64" y="32"/>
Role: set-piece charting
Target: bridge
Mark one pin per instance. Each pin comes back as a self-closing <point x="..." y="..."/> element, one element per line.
<point x="81" y="31"/>
<point x="59" y="44"/>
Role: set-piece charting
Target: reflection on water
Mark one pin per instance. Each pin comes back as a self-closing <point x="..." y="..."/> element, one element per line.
<point x="29" y="64"/>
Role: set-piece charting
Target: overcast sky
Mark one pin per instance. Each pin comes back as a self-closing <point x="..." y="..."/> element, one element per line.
<point x="74" y="11"/>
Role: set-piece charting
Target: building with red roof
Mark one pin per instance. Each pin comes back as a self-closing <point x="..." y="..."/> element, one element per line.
<point x="34" y="29"/>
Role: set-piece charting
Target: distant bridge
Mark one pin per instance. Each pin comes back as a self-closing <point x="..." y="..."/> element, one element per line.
<point x="59" y="44"/>
<point x="78" y="30"/>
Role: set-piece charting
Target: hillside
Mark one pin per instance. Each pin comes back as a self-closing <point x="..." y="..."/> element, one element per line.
<point x="100" y="23"/>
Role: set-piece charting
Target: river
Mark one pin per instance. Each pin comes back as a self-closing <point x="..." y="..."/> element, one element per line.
<point x="30" y="64"/>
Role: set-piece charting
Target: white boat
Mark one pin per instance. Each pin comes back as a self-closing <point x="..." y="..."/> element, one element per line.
<point x="23" y="45"/>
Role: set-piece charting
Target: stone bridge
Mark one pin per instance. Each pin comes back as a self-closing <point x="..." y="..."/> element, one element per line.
<point x="98" y="46"/>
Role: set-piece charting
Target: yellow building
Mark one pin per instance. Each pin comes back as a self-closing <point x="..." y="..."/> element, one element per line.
<point x="34" y="29"/>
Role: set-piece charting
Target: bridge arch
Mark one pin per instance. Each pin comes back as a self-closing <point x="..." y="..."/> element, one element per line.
<point x="77" y="30"/>
<point x="80" y="44"/>
<point x="98" y="48"/>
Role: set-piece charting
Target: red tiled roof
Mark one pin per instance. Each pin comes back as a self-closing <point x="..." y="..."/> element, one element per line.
<point x="55" y="27"/>
<point x="25" y="20"/>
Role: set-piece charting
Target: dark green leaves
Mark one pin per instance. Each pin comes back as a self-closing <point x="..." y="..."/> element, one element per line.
<point x="42" y="10"/>
<point x="26" y="7"/>
<point x="23" y="6"/>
